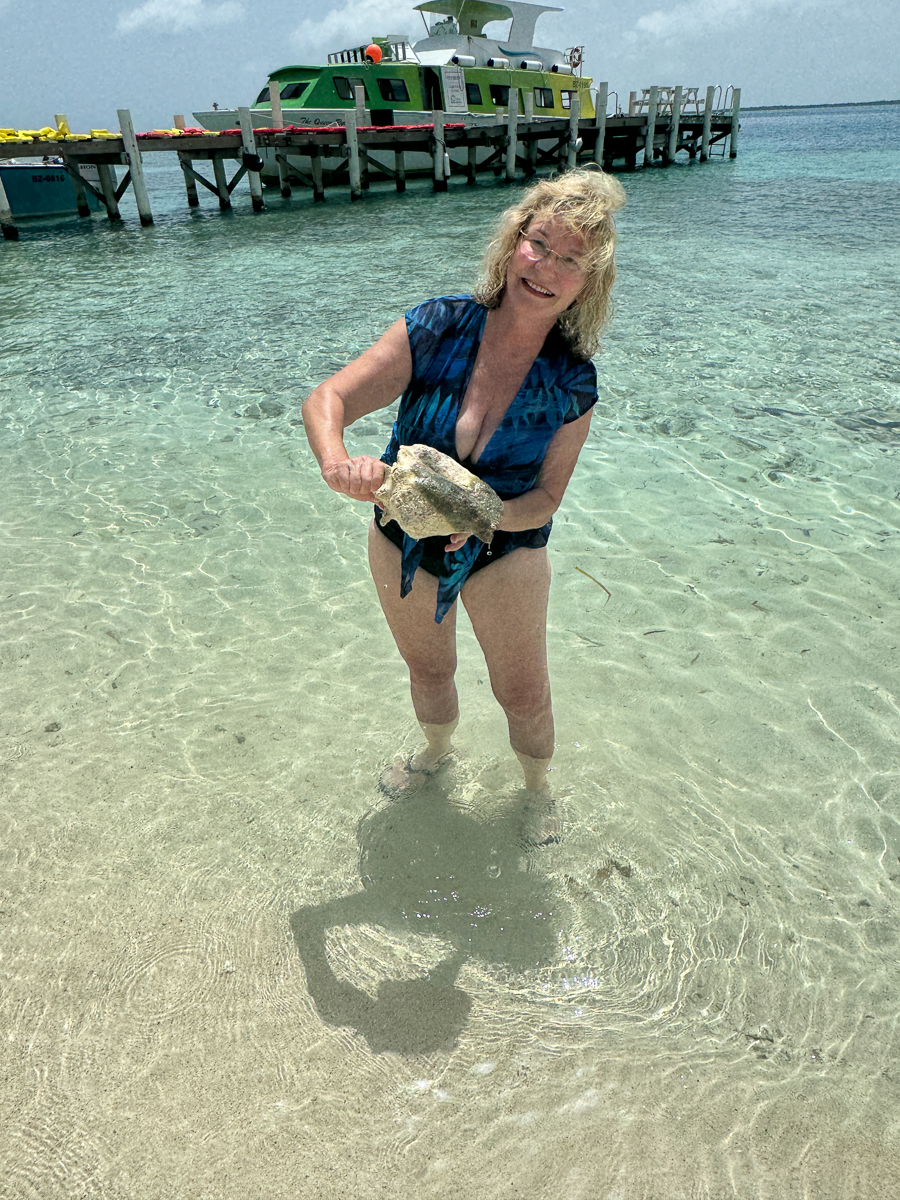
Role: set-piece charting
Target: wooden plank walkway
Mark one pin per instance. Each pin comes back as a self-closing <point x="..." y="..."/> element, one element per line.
<point x="337" y="154"/>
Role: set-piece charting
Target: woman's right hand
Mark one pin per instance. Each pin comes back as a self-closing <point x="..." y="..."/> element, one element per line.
<point x="359" y="478"/>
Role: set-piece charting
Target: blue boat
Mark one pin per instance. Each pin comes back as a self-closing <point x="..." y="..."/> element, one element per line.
<point x="44" y="189"/>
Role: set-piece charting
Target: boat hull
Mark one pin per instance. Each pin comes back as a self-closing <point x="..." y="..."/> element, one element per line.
<point x="36" y="189"/>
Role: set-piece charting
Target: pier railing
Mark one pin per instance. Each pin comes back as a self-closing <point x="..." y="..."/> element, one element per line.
<point x="354" y="153"/>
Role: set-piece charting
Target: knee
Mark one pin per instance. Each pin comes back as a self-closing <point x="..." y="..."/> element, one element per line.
<point x="431" y="675"/>
<point x="523" y="697"/>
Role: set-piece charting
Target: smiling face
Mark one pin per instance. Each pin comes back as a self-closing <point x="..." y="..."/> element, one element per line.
<point x="546" y="283"/>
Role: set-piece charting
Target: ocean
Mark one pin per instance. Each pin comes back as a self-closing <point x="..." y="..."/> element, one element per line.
<point x="229" y="966"/>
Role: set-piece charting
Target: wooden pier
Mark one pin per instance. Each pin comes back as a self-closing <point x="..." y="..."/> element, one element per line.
<point x="654" y="130"/>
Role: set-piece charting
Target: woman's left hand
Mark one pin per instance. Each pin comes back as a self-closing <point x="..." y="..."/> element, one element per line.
<point x="456" y="542"/>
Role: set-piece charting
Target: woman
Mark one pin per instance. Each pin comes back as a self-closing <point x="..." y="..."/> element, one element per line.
<point x="503" y="382"/>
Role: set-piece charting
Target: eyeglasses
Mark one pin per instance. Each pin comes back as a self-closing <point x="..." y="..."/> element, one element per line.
<point x="537" y="249"/>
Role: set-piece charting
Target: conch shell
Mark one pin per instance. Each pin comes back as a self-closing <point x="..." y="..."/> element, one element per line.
<point x="429" y="494"/>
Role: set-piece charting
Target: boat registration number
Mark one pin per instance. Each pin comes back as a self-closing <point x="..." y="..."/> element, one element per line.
<point x="49" y="178"/>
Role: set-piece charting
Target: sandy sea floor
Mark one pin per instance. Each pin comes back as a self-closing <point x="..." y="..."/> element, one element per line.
<point x="229" y="967"/>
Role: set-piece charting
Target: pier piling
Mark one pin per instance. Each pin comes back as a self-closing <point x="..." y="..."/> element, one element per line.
<point x="250" y="159"/>
<point x="672" y="148"/>
<point x="512" y="125"/>
<point x="574" y="139"/>
<point x="81" y="200"/>
<point x="600" y="121"/>
<point x="221" y="182"/>
<point x="359" y="96"/>
<point x="108" y="188"/>
<point x="317" y="178"/>
<point x="735" y="122"/>
<point x="471" y="165"/>
<point x="135" y="166"/>
<point x="399" y="171"/>
<point x="190" y="184"/>
<point x="278" y="123"/>
<point x="440" y="182"/>
<point x="353" y="155"/>
<point x="650" y="134"/>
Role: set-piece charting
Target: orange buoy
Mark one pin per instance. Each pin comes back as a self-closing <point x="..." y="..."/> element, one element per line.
<point x="373" y="53"/>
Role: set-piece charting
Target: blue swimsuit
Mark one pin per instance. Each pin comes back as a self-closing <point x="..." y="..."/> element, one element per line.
<point x="444" y="336"/>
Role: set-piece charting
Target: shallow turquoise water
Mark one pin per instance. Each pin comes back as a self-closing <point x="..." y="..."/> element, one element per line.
<point x="694" y="994"/>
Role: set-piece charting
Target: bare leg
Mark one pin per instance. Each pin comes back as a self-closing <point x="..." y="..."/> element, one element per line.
<point x="507" y="605"/>
<point x="428" y="649"/>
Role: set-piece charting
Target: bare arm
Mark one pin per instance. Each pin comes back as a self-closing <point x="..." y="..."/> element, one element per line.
<point x="370" y="382"/>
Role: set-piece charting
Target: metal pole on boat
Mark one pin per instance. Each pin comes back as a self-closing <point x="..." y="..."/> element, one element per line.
<point x="574" y="139"/>
<point x="512" y="140"/>
<point x="7" y="224"/>
<point x="133" y="154"/>
<point x="735" y="124"/>
<point x="707" y="123"/>
<point x="650" y="135"/>
<point x="600" y="121"/>
<point x="672" y="148"/>
<point x="440" y="181"/>
<point x="278" y="123"/>
<point x="249" y="155"/>
<point x="353" y="154"/>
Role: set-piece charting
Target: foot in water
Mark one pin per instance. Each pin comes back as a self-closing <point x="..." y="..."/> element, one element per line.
<point x="408" y="772"/>
<point x="541" y="822"/>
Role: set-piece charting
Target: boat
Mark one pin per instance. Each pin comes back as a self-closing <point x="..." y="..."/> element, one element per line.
<point x="456" y="69"/>
<point x="36" y="188"/>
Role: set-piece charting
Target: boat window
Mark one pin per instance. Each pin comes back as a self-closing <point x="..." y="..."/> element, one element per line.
<point x="293" y="91"/>
<point x="342" y="87"/>
<point x="499" y="93"/>
<point x="393" y="89"/>
<point x="473" y="93"/>
<point x="543" y="97"/>
<point x="263" y="96"/>
<point x="566" y="98"/>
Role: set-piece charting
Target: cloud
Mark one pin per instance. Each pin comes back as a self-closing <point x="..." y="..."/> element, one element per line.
<point x="176" y="15"/>
<point x="685" y="20"/>
<point x="353" y="25"/>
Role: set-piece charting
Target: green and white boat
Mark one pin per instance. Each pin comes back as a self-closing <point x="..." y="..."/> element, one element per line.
<point x="456" y="68"/>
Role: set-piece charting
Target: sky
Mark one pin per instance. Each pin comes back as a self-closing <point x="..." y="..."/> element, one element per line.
<point x="161" y="57"/>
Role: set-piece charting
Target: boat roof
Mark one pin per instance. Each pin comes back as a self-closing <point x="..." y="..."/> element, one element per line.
<point x="472" y="15"/>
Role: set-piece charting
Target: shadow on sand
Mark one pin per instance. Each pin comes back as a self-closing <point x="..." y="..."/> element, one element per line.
<point x="428" y="867"/>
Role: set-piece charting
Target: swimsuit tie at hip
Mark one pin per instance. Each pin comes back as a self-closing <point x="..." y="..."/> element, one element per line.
<point x="454" y="573"/>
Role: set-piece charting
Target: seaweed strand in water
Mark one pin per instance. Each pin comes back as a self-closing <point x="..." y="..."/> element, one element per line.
<point x="599" y="584"/>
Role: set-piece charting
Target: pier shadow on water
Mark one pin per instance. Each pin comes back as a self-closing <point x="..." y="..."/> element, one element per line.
<point x="432" y="874"/>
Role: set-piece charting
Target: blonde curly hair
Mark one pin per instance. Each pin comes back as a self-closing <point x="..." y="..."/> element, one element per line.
<point x="583" y="202"/>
